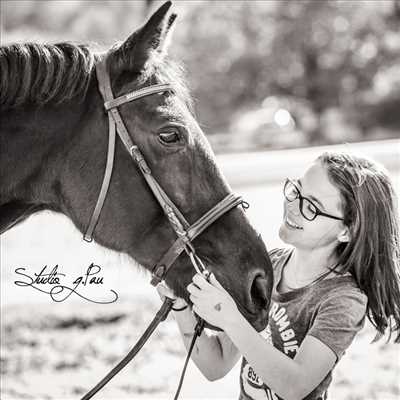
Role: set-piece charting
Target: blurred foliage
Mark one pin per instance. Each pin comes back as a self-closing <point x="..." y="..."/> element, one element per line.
<point x="333" y="65"/>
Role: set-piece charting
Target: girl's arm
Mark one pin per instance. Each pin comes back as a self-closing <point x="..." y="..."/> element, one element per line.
<point x="289" y="378"/>
<point x="292" y="379"/>
<point x="214" y="354"/>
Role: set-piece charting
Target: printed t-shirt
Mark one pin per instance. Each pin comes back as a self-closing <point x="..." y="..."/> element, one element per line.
<point x="332" y="310"/>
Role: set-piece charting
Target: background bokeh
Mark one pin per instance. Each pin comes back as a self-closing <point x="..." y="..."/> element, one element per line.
<point x="264" y="73"/>
<point x="273" y="81"/>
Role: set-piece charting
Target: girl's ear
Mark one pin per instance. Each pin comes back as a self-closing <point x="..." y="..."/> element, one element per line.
<point x="344" y="236"/>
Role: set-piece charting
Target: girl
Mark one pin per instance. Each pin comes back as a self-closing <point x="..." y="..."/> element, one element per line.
<point x="342" y="264"/>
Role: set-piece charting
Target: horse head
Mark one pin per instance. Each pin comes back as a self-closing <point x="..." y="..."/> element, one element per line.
<point x="165" y="130"/>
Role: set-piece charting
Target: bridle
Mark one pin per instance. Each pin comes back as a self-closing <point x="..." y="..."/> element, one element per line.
<point x="185" y="232"/>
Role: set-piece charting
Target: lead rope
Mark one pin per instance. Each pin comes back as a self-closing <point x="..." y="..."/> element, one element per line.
<point x="160" y="316"/>
<point x="197" y="330"/>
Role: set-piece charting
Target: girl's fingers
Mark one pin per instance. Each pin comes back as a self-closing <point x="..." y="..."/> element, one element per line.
<point x="200" y="281"/>
<point x="193" y="289"/>
<point x="193" y="299"/>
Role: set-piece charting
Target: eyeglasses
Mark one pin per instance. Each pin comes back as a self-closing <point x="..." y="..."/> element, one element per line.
<point x="307" y="208"/>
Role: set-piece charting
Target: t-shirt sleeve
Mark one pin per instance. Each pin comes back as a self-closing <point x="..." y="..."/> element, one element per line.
<point x="275" y="255"/>
<point x="338" y="320"/>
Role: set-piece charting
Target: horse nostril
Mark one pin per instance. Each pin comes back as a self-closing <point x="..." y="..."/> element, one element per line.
<point x="260" y="292"/>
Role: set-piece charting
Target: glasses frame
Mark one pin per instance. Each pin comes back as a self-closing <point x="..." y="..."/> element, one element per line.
<point x="301" y="200"/>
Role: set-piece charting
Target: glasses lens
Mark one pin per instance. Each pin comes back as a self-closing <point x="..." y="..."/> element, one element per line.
<point x="309" y="210"/>
<point x="290" y="191"/>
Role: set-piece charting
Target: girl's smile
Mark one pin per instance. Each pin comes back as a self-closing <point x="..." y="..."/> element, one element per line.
<point x="318" y="223"/>
<point x="290" y="223"/>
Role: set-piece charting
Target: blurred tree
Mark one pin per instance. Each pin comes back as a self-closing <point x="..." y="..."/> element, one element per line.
<point x="225" y="47"/>
<point x="326" y="55"/>
<point x="332" y="54"/>
<point x="340" y="48"/>
<point x="95" y="20"/>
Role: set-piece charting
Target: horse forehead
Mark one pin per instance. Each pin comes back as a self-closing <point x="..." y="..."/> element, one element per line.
<point x="162" y="105"/>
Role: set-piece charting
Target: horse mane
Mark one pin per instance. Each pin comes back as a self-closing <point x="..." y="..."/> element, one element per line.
<point x="37" y="74"/>
<point x="41" y="73"/>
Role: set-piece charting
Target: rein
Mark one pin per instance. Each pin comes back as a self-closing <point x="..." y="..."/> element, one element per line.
<point x="185" y="232"/>
<point x="159" y="317"/>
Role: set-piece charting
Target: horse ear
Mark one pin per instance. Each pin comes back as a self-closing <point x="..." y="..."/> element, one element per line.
<point x="149" y="40"/>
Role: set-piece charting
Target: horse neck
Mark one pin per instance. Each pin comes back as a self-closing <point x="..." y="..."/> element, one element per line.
<point x="33" y="144"/>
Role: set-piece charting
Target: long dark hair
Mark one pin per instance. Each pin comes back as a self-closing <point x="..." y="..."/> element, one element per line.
<point x="372" y="255"/>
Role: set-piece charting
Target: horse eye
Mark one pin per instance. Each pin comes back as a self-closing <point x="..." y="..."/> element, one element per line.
<point x="169" y="137"/>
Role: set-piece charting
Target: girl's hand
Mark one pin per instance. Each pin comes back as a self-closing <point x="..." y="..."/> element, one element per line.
<point x="212" y="302"/>
<point x="164" y="291"/>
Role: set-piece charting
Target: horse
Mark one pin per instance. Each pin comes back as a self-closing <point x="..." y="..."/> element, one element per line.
<point x="53" y="154"/>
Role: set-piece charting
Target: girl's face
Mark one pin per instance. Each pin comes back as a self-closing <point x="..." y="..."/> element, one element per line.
<point x="322" y="231"/>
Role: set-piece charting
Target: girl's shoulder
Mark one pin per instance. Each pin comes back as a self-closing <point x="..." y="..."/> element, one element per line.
<point x="278" y="258"/>
<point x="343" y="289"/>
<point x="279" y="255"/>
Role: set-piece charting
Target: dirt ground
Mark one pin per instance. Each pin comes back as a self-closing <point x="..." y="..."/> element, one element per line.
<point x="60" y="354"/>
